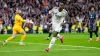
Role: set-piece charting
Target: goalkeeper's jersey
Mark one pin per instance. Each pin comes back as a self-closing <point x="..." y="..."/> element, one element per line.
<point x="18" y="20"/>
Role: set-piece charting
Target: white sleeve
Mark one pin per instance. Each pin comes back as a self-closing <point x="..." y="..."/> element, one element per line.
<point x="64" y="13"/>
<point x="51" y="11"/>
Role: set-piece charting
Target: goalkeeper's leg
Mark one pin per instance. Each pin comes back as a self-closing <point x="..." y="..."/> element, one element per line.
<point x="10" y="38"/>
<point x="22" y="38"/>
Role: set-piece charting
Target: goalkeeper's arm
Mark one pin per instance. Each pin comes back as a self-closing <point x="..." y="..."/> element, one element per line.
<point x="26" y="21"/>
<point x="29" y="21"/>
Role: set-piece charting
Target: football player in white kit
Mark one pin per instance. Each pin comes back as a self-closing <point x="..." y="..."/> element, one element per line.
<point x="58" y="17"/>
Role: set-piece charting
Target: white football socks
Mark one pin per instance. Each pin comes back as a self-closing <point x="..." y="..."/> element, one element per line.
<point x="52" y="42"/>
<point x="90" y="38"/>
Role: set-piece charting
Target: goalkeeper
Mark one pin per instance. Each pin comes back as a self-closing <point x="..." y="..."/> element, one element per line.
<point x="17" y="28"/>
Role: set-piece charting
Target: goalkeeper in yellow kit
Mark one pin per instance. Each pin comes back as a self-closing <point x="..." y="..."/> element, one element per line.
<point x="17" y="28"/>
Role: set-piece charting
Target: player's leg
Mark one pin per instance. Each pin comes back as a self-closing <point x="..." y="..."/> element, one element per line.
<point x="50" y="33"/>
<point x="96" y="32"/>
<point x="52" y="41"/>
<point x="90" y="40"/>
<point x="97" y="38"/>
<point x="23" y="36"/>
<point x="58" y="28"/>
<point x="10" y="38"/>
<point x="60" y="37"/>
<point x="91" y="29"/>
<point x="97" y="29"/>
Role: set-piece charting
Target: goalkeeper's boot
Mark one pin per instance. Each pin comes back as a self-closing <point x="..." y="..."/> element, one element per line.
<point x="21" y="43"/>
<point x="4" y="42"/>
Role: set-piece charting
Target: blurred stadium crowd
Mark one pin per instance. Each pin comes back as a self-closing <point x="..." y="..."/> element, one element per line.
<point x="37" y="11"/>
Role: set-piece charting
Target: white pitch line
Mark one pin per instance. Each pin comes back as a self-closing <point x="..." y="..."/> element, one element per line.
<point x="58" y="45"/>
<point x="44" y="50"/>
<point x="5" y="51"/>
<point x="72" y="49"/>
<point x="23" y="51"/>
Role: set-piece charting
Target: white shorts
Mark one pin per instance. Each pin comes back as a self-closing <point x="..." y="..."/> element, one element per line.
<point x="57" y="27"/>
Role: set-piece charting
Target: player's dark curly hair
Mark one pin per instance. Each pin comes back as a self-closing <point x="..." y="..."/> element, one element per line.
<point x="91" y="7"/>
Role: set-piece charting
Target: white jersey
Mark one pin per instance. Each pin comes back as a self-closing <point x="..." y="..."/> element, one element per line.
<point x="57" y="18"/>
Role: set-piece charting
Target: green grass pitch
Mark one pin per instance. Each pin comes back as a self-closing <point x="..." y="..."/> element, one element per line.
<point x="75" y="44"/>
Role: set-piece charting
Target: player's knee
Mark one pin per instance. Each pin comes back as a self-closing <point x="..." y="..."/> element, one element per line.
<point x="55" y="34"/>
<point x="24" y="33"/>
<point x="13" y="36"/>
<point x="51" y="31"/>
<point x="52" y="42"/>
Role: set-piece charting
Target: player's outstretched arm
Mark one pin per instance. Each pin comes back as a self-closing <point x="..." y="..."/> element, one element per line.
<point x="26" y="21"/>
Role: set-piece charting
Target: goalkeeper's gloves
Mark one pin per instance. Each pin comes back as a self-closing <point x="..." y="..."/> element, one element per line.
<point x="29" y="21"/>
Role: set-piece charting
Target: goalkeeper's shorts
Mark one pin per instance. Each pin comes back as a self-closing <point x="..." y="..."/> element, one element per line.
<point x="17" y="29"/>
